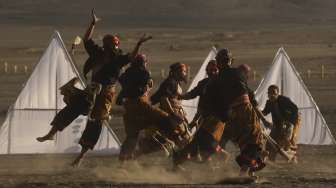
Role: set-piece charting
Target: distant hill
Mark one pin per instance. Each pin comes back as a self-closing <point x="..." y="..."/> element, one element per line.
<point x="168" y="12"/>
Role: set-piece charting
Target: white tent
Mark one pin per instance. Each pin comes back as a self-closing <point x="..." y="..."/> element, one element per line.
<point x="190" y="106"/>
<point x="314" y="129"/>
<point x="37" y="104"/>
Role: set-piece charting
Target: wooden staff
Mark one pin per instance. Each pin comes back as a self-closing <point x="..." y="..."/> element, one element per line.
<point x="270" y="140"/>
<point x="184" y="118"/>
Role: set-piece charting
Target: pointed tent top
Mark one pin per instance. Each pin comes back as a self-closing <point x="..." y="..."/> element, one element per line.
<point x="58" y="37"/>
<point x="283" y="51"/>
<point x="280" y="51"/>
<point x="41" y="90"/>
<point x="214" y="49"/>
<point x="314" y="129"/>
<point x="57" y="34"/>
<point x="37" y="104"/>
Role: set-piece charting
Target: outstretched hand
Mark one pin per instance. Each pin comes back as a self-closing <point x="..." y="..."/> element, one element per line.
<point x="144" y="38"/>
<point x="95" y="19"/>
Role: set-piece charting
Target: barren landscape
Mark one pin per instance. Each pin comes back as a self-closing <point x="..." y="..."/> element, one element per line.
<point x="183" y="31"/>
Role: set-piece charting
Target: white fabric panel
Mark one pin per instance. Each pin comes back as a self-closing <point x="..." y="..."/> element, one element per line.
<point x="314" y="129"/>
<point x="190" y="106"/>
<point x="108" y="142"/>
<point x="26" y="125"/>
<point x="36" y="106"/>
<point x="53" y="70"/>
<point x="273" y="76"/>
<point x="4" y="135"/>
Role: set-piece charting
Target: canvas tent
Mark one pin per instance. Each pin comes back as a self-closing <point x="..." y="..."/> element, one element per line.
<point x="314" y="129"/>
<point x="37" y="104"/>
<point x="190" y="106"/>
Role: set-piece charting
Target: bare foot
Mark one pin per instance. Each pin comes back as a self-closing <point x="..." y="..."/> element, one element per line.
<point x="76" y="163"/>
<point x="44" y="138"/>
<point x="226" y="155"/>
<point x="294" y="160"/>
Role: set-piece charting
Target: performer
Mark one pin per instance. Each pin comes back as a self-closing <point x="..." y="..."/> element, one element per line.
<point x="199" y="90"/>
<point x="206" y="139"/>
<point x="168" y="97"/>
<point x="286" y="121"/>
<point x="139" y="113"/>
<point x="244" y="70"/>
<point x="78" y="102"/>
<point x="105" y="63"/>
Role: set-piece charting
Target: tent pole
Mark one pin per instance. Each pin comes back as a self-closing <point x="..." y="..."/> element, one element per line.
<point x="9" y="135"/>
<point x="10" y="130"/>
<point x="56" y="105"/>
<point x="109" y="129"/>
<point x="282" y="81"/>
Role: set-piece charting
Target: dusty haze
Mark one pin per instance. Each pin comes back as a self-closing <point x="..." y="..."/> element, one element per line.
<point x="183" y="30"/>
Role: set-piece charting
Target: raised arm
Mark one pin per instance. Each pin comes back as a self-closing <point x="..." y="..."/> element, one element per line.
<point x="89" y="31"/>
<point x="196" y="91"/>
<point x="135" y="51"/>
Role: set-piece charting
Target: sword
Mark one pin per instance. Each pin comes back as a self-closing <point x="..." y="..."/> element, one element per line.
<point x="276" y="146"/>
<point x="162" y="145"/>
<point x="184" y="118"/>
<point x="272" y="142"/>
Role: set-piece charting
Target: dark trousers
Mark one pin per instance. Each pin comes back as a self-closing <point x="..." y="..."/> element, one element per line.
<point x="65" y="117"/>
<point x="91" y="134"/>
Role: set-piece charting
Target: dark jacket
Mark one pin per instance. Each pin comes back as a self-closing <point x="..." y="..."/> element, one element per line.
<point x="198" y="91"/>
<point x="134" y="82"/>
<point x="223" y="90"/>
<point x="106" y="72"/>
<point x="168" y="88"/>
<point x="288" y="111"/>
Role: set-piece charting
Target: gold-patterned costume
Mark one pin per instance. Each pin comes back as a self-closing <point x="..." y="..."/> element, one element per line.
<point x="246" y="131"/>
<point x="139" y="113"/>
<point x="106" y="66"/>
<point x="168" y="98"/>
<point x="104" y="103"/>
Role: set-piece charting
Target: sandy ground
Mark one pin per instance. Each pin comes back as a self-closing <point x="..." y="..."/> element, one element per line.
<point x="316" y="168"/>
<point x="308" y="46"/>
